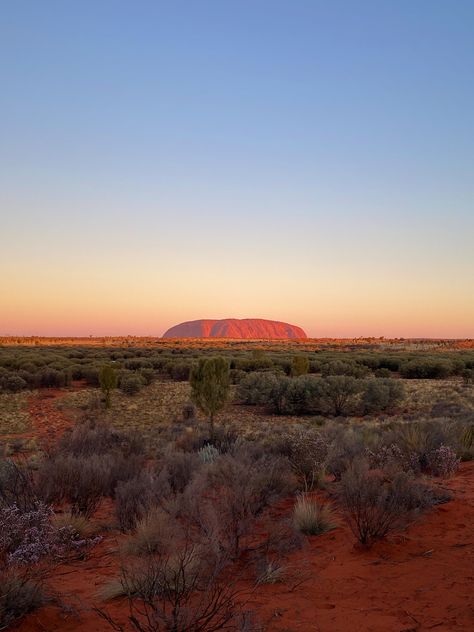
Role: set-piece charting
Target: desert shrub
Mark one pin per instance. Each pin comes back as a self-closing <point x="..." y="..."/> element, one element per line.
<point x="466" y="440"/>
<point x="134" y="364"/>
<point x="383" y="372"/>
<point x="147" y="375"/>
<point x="299" y="365"/>
<point x="382" y="394"/>
<point x="188" y="412"/>
<point x="311" y="517"/>
<point x="91" y="437"/>
<point x="307" y="452"/>
<point x="179" y="592"/>
<point x="276" y="398"/>
<point x="131" y="383"/>
<point x="384" y="456"/>
<point x="339" y="392"/>
<point x="13" y="383"/>
<point x="341" y="367"/>
<point x="421" y="441"/>
<point x="81" y="481"/>
<point x="180" y="371"/>
<point x="91" y="375"/>
<point x="255" y="388"/>
<point x="133" y="499"/>
<point x="282" y="365"/>
<point x="223" y="439"/>
<point x="427" y="369"/>
<point x="176" y="469"/>
<point x="468" y="376"/>
<point x="302" y="396"/>
<point x="226" y="497"/>
<point x="253" y="364"/>
<point x="344" y="448"/>
<point x="53" y="378"/>
<point x="375" y="504"/>
<point x="271" y="555"/>
<point x="20" y="593"/>
<point x="29" y="541"/>
<point x="17" y="485"/>
<point x="443" y="462"/>
<point x="154" y="534"/>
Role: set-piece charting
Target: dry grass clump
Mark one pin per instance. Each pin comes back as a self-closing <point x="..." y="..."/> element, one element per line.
<point x="79" y="526"/>
<point x="154" y="534"/>
<point x="312" y="517"/>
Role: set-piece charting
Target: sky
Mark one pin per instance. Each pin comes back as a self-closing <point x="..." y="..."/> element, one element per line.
<point x="304" y="161"/>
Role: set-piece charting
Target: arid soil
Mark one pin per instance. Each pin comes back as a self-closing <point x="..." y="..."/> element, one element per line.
<point x="421" y="579"/>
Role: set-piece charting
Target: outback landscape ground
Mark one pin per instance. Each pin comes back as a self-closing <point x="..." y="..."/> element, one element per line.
<point x="334" y="491"/>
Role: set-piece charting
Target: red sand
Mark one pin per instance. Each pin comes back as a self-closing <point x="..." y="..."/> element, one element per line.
<point x="419" y="580"/>
<point x="422" y="579"/>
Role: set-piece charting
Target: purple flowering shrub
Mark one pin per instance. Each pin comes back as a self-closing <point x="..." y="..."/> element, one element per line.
<point x="29" y="543"/>
<point x="26" y="537"/>
<point x="443" y="462"/>
<point x="385" y="456"/>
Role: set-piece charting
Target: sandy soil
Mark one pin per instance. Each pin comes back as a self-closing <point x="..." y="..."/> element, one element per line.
<point x="421" y="579"/>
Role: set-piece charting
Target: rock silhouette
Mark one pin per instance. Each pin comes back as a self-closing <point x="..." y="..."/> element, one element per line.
<point x="235" y="328"/>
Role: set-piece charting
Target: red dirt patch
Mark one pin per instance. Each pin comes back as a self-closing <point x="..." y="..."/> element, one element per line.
<point x="419" y="580"/>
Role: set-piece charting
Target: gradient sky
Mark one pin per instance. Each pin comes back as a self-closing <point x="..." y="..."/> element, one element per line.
<point x="306" y="161"/>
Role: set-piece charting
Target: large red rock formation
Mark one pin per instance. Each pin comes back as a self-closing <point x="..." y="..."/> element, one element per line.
<point x="235" y="328"/>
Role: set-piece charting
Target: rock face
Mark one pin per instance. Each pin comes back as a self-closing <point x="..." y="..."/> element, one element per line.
<point x="235" y="328"/>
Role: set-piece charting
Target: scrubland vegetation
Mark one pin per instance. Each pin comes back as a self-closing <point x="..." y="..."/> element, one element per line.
<point x="206" y="514"/>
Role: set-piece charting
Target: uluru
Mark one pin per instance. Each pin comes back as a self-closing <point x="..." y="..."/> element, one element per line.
<point x="257" y="328"/>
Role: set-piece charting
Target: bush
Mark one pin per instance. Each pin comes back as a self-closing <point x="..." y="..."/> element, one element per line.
<point x="176" y="469"/>
<point x="180" y="371"/>
<point x="81" y="481"/>
<point x="17" y="486"/>
<point x="133" y="499"/>
<point x="299" y="365"/>
<point x="20" y="594"/>
<point x="180" y="591"/>
<point x="131" y="384"/>
<point x="226" y="497"/>
<point x="339" y="392"/>
<point x="443" y="462"/>
<point x="382" y="394"/>
<point x="154" y="534"/>
<point x="255" y="388"/>
<point x="13" y="383"/>
<point x="340" y="367"/>
<point x="427" y="369"/>
<point x="312" y="518"/>
<point x="307" y="452"/>
<point x="375" y="504"/>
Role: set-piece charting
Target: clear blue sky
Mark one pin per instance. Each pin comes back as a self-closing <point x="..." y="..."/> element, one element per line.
<point x="306" y="161"/>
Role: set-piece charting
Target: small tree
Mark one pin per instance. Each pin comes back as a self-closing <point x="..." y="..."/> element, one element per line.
<point x="339" y="391"/>
<point x="210" y="384"/>
<point x="299" y="365"/>
<point x="107" y="381"/>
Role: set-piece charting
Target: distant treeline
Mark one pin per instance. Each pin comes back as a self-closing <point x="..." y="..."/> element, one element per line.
<point x="39" y="367"/>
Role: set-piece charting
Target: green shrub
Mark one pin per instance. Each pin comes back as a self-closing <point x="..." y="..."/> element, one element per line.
<point x="299" y="365"/>
<point x="382" y="394"/>
<point x="131" y="383"/>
